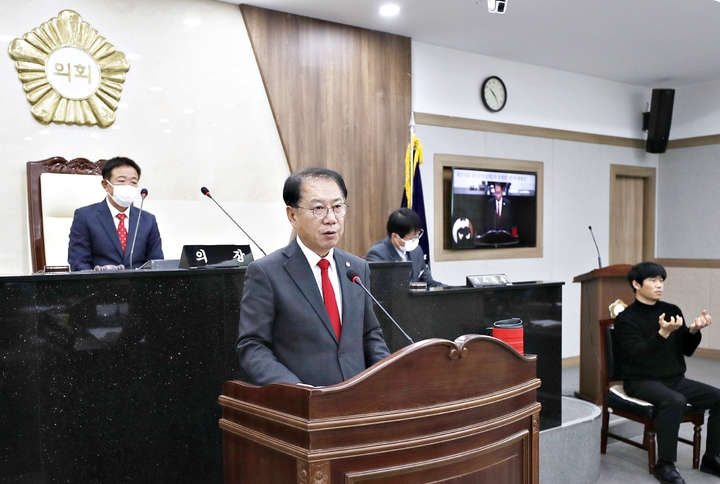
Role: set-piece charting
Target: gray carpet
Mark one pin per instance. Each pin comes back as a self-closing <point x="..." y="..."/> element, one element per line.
<point x="628" y="465"/>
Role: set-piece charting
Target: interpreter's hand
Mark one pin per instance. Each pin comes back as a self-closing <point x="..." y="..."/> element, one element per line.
<point x="702" y="321"/>
<point x="667" y="327"/>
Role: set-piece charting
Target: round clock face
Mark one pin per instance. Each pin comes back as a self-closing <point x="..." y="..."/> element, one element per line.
<point x="493" y="93"/>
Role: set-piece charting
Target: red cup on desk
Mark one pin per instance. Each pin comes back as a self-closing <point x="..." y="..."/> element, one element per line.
<point x="511" y="332"/>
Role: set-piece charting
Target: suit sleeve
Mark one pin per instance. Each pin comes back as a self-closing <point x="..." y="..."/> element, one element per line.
<point x="427" y="278"/>
<point x="153" y="250"/>
<point x="79" y="249"/>
<point x="374" y="345"/>
<point x="255" y="334"/>
<point x="374" y="255"/>
<point x="424" y="274"/>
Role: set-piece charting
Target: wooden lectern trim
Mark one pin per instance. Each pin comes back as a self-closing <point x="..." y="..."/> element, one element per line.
<point x="367" y="419"/>
<point x="454" y="461"/>
<point x="376" y="448"/>
<point x="313" y="472"/>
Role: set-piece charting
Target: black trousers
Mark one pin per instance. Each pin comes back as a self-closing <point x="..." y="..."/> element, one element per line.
<point x="670" y="400"/>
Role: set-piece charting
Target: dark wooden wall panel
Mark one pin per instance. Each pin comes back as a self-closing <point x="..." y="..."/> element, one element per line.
<point x="341" y="97"/>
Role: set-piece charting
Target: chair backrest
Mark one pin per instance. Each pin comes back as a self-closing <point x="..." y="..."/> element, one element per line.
<point x="53" y="196"/>
<point x="610" y="355"/>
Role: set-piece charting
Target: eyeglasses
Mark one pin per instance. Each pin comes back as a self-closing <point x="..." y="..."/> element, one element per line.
<point x="417" y="237"/>
<point x="320" y="212"/>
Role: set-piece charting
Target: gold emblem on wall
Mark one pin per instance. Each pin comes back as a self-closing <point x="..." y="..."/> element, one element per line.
<point x="70" y="73"/>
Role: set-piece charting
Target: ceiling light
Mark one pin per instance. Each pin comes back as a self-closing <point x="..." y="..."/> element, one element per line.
<point x="389" y="10"/>
<point x="498" y="6"/>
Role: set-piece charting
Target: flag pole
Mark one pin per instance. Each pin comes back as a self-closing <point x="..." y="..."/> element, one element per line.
<point x="412" y="159"/>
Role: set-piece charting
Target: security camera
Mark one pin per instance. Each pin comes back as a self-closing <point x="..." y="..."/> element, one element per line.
<point x="496" y="6"/>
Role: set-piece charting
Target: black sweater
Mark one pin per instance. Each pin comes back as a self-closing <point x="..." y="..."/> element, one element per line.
<point x="646" y="354"/>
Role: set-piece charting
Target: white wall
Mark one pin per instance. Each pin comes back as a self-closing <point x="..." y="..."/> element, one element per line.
<point x="577" y="175"/>
<point x="696" y="110"/>
<point x="228" y="142"/>
<point x="688" y="200"/>
<point x="448" y="82"/>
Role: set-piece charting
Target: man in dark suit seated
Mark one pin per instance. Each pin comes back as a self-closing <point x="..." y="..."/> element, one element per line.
<point x="401" y="244"/>
<point x="102" y="233"/>
<point x="302" y="320"/>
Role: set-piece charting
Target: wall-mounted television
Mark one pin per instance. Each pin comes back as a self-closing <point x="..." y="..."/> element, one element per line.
<point x="493" y="209"/>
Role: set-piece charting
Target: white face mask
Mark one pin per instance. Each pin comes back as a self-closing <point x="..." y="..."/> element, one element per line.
<point x="410" y="245"/>
<point x="124" y="195"/>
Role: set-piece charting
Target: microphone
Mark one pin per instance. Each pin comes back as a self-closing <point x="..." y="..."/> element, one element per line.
<point x="143" y="194"/>
<point x="596" y="247"/>
<point x="206" y="192"/>
<point x="355" y="277"/>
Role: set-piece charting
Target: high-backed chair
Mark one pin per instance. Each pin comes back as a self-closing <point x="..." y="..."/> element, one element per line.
<point x="617" y="402"/>
<point x="53" y="197"/>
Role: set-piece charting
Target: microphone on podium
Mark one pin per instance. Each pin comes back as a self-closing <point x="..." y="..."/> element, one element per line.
<point x="143" y="194"/>
<point x="596" y="247"/>
<point x="355" y="277"/>
<point x="206" y="192"/>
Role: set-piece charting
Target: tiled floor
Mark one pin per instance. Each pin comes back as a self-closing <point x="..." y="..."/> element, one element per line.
<point x="628" y="465"/>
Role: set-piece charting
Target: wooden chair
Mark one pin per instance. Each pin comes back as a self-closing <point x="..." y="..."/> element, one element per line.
<point x="53" y="197"/>
<point x="615" y="401"/>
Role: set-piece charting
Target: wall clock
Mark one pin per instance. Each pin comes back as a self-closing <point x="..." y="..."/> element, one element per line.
<point x="493" y="94"/>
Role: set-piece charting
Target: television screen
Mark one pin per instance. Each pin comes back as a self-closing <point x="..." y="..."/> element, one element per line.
<point x="493" y="209"/>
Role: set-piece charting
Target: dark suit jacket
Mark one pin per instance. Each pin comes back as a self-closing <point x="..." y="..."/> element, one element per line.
<point x="94" y="240"/>
<point x="505" y="222"/>
<point x="285" y="333"/>
<point x="384" y="251"/>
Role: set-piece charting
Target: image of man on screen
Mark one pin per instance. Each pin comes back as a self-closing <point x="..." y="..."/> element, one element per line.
<point x="499" y="215"/>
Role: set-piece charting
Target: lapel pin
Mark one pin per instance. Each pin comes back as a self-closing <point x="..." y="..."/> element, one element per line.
<point x="347" y="264"/>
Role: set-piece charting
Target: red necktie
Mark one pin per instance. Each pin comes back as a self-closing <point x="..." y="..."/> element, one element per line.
<point x="122" y="231"/>
<point x="329" y="296"/>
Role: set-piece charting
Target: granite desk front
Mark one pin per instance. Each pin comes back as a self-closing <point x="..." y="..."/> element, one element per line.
<point x="451" y="312"/>
<point x="114" y="377"/>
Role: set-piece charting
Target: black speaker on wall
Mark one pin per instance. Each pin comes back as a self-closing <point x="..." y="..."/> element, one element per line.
<point x="657" y="121"/>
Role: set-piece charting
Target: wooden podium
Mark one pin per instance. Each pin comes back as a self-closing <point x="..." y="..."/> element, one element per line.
<point x="599" y="289"/>
<point x="435" y="411"/>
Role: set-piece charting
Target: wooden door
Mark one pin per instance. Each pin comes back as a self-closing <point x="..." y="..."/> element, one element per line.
<point x="632" y="214"/>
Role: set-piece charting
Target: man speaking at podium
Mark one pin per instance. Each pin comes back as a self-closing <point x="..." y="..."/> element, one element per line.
<point x="102" y="234"/>
<point x="302" y="320"/>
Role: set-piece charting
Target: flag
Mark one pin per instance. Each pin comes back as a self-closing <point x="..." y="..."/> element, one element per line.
<point x="413" y="194"/>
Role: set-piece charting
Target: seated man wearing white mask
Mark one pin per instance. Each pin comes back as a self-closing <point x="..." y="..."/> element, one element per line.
<point x="102" y="234"/>
<point x="401" y="244"/>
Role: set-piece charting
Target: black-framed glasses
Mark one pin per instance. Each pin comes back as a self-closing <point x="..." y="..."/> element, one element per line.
<point x="320" y="212"/>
